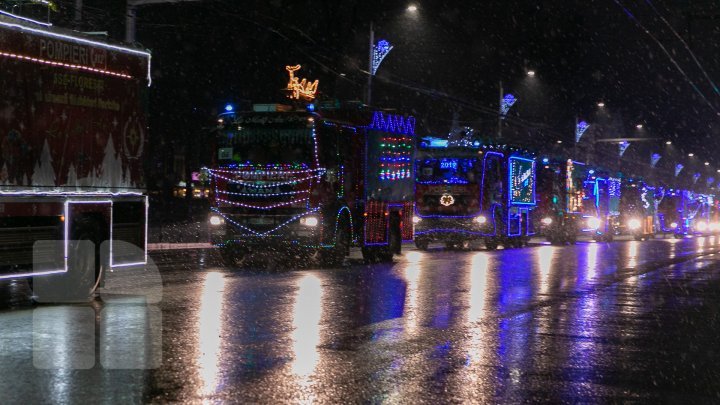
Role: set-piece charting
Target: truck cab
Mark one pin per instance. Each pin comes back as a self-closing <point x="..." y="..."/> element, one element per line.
<point x="312" y="182"/>
<point x="447" y="195"/>
<point x="507" y="196"/>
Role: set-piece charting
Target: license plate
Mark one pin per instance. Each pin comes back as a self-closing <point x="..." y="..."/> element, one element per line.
<point x="261" y="221"/>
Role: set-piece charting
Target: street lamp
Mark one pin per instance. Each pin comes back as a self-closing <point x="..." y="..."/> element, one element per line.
<point x="691" y="154"/>
<point x="668" y="143"/>
<point x="377" y="52"/>
<point x="531" y="73"/>
<point x="601" y="104"/>
<point x="639" y="126"/>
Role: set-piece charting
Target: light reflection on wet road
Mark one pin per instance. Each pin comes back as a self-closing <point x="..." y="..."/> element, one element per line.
<point x="593" y="322"/>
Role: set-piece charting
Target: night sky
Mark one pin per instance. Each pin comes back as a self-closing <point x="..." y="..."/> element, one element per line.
<point x="447" y="62"/>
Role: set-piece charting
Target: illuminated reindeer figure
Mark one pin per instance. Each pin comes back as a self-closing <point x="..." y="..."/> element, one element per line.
<point x="300" y="88"/>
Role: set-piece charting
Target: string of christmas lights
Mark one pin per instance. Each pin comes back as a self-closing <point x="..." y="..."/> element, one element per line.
<point x="254" y="184"/>
<point x="67" y="65"/>
<point x="262" y="207"/>
<point x="264" y="195"/>
<point x="266" y="233"/>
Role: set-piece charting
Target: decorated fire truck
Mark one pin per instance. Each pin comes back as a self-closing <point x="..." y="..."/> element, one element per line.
<point x="503" y="176"/>
<point x="72" y="136"/>
<point x="576" y="199"/>
<point x="638" y="207"/>
<point x="312" y="181"/>
<point x="507" y="196"/>
<point x="447" y="194"/>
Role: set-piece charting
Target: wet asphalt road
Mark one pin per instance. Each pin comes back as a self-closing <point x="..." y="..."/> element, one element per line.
<point x="618" y="322"/>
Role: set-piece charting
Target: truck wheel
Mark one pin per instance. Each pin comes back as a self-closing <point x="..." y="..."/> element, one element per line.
<point x="491" y="244"/>
<point x="335" y="256"/>
<point x="231" y="256"/>
<point x="421" y="244"/>
<point x="395" y="237"/>
<point x="572" y="239"/>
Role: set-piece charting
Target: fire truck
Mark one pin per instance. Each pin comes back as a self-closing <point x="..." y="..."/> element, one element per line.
<point x="447" y="194"/>
<point x="312" y="182"/>
<point x="507" y="196"/>
<point x="485" y="192"/>
<point x="638" y="209"/>
<point x="72" y="136"/>
<point x="576" y="199"/>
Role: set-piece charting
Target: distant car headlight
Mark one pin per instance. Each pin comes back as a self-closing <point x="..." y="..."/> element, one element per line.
<point x="594" y="222"/>
<point x="309" y="221"/>
<point x="702" y="226"/>
<point x="416" y="219"/>
<point x="634" y="224"/>
<point x="216" y="220"/>
<point x="547" y="221"/>
<point x="673" y="225"/>
<point x="480" y="219"/>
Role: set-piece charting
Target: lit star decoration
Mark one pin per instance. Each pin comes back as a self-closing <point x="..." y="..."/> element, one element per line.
<point x="380" y="51"/>
<point x="654" y="159"/>
<point x="507" y="102"/>
<point x="447" y="200"/>
<point x="622" y="147"/>
<point x="300" y="89"/>
<point x="582" y="126"/>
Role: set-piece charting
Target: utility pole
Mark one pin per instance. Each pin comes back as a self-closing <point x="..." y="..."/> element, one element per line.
<point x="368" y="95"/>
<point x="78" y="13"/>
<point x="500" y="112"/>
<point x="131" y="14"/>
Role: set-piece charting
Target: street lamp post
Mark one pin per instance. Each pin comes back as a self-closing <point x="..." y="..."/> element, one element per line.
<point x="500" y="111"/>
<point x="131" y="14"/>
<point x="377" y="52"/>
<point x="371" y="47"/>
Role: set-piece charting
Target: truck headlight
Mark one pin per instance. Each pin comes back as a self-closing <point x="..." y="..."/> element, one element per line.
<point x="416" y="219"/>
<point x="702" y="226"/>
<point x="216" y="220"/>
<point x="593" y="223"/>
<point x="480" y="219"/>
<point x="547" y="221"/>
<point x="634" y="224"/>
<point x="310" y="221"/>
<point x="714" y="226"/>
<point x="673" y="225"/>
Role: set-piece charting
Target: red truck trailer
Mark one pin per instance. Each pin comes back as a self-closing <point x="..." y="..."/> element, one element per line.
<point x="309" y="182"/>
<point x="72" y="136"/>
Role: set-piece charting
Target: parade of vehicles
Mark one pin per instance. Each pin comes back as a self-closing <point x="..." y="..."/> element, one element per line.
<point x="72" y="136"/>
<point x="473" y="193"/>
<point x="313" y="181"/>
<point x="573" y="200"/>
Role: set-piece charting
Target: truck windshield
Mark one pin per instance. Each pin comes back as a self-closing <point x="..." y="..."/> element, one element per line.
<point x="267" y="145"/>
<point x="447" y="170"/>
